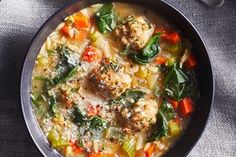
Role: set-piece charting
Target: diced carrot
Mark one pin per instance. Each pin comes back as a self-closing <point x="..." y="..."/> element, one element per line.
<point x="95" y="154"/>
<point x="109" y="155"/>
<point x="81" y="35"/>
<point x="190" y="62"/>
<point x="91" y="54"/>
<point x="75" y="147"/>
<point x="150" y="150"/>
<point x="177" y="119"/>
<point x="162" y="29"/>
<point x="160" y="60"/>
<point x="185" y="107"/>
<point x="65" y="30"/>
<point x="140" y="153"/>
<point x="81" y="21"/>
<point x="172" y="37"/>
<point x="93" y="111"/>
<point x="174" y="103"/>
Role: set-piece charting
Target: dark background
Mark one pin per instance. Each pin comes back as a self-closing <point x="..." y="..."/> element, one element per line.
<point x="20" y="20"/>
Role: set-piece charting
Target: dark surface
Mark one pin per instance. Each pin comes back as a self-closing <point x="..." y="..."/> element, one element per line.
<point x="19" y="21"/>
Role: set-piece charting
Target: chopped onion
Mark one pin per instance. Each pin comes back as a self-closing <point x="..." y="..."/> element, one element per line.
<point x="184" y="58"/>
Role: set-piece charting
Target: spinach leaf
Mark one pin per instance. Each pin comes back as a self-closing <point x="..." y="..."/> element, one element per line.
<point x="78" y="117"/>
<point x="152" y="47"/>
<point x="52" y="105"/>
<point x="138" y="58"/>
<point x="176" y="82"/>
<point x="165" y="113"/>
<point x="129" y="97"/>
<point x="66" y="67"/>
<point x="148" y="53"/>
<point x="94" y="122"/>
<point x="162" y="128"/>
<point x="167" y="110"/>
<point x="97" y="123"/>
<point x="105" y="18"/>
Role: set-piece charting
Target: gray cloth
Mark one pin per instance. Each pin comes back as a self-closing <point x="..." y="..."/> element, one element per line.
<point x="19" y="21"/>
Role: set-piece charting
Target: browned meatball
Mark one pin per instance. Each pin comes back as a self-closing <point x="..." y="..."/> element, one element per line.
<point x="109" y="79"/>
<point x="141" y="115"/>
<point x="135" y="32"/>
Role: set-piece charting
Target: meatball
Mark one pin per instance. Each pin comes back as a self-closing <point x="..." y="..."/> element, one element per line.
<point x="109" y="79"/>
<point x="135" y="32"/>
<point x="141" y="115"/>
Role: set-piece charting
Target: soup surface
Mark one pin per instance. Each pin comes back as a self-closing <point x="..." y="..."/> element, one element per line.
<point x="114" y="80"/>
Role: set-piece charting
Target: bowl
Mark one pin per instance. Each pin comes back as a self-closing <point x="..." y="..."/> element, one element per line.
<point x="204" y="74"/>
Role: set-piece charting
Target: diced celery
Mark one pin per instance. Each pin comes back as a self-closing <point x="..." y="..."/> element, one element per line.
<point x="171" y="61"/>
<point x="151" y="80"/>
<point x="174" y="48"/>
<point x="142" y="72"/>
<point x="129" y="146"/>
<point x="56" y="140"/>
<point x="94" y="36"/>
<point x="174" y="128"/>
<point x="42" y="60"/>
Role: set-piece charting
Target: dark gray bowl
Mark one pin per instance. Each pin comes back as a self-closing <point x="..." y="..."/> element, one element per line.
<point x="204" y="74"/>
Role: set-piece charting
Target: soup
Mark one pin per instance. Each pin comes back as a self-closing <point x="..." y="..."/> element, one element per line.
<point x="116" y="80"/>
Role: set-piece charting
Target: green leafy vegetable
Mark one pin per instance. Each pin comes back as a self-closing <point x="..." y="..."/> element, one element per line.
<point x="165" y="113"/>
<point x="94" y="122"/>
<point x="148" y="53"/>
<point x="78" y="117"/>
<point x="162" y="129"/>
<point x="152" y="47"/>
<point x="129" y="146"/>
<point x="105" y="18"/>
<point x="52" y="105"/>
<point x="129" y="97"/>
<point x="176" y="82"/>
<point x="67" y="66"/>
<point x="167" y="110"/>
<point x="97" y="122"/>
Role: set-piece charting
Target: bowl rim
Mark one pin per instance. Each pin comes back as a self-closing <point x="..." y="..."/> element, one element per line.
<point x="28" y="111"/>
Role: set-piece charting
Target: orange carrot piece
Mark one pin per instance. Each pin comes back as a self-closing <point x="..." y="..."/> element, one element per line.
<point x="160" y="60"/>
<point x="74" y="146"/>
<point x="173" y="37"/>
<point x="91" y="54"/>
<point x="81" y="21"/>
<point x="162" y="29"/>
<point x="93" y="111"/>
<point x="191" y="62"/>
<point x="65" y="30"/>
<point x="81" y="35"/>
<point x="150" y="151"/>
<point x="95" y="154"/>
<point x="174" y="103"/>
<point x="185" y="107"/>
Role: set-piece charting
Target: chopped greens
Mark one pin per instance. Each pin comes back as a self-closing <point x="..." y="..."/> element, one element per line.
<point x="94" y="122"/>
<point x="176" y="83"/>
<point x="52" y="105"/>
<point x="78" y="117"/>
<point x="67" y="66"/>
<point x="165" y="113"/>
<point x="129" y="97"/>
<point x="148" y="53"/>
<point x="105" y="18"/>
<point x="97" y="122"/>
